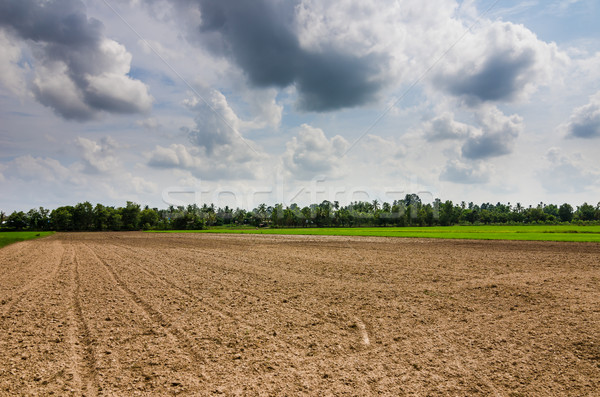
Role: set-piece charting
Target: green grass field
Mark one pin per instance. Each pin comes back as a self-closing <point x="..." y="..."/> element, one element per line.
<point x="7" y="238"/>
<point x="529" y="233"/>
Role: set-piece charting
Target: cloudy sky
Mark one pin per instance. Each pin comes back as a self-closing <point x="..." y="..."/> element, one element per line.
<point x="240" y="102"/>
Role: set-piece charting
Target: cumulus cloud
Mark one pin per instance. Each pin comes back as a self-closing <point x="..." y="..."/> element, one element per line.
<point x="217" y="128"/>
<point x="260" y="37"/>
<point x="568" y="173"/>
<point x="496" y="137"/>
<point x="30" y="176"/>
<point x="78" y="72"/>
<point x="310" y="153"/>
<point x="264" y="106"/>
<point x="11" y="75"/>
<point x="466" y="173"/>
<point x="99" y="156"/>
<point x="385" y="148"/>
<point x="218" y="149"/>
<point x="444" y="127"/>
<point x="493" y="134"/>
<point x="195" y="160"/>
<point x="44" y="169"/>
<point x="501" y="62"/>
<point x="585" y="120"/>
<point x="151" y="123"/>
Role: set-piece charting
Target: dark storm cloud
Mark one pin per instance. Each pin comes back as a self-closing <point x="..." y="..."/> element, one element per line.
<point x="259" y="37"/>
<point x="73" y="59"/>
<point x="55" y="21"/>
<point x="500" y="78"/>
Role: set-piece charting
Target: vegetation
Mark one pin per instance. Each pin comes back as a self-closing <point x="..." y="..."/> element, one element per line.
<point x="407" y="212"/>
<point x="7" y="238"/>
<point x="496" y="232"/>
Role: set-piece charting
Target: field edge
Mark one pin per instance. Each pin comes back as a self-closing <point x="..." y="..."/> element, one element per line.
<point x="7" y="238"/>
<point x="562" y="233"/>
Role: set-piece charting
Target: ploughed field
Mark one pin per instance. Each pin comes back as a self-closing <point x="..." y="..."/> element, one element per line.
<point x="204" y="314"/>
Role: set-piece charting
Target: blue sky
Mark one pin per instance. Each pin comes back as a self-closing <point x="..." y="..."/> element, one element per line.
<point x="237" y="103"/>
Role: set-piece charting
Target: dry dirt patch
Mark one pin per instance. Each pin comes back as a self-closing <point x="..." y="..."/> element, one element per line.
<point x="200" y="314"/>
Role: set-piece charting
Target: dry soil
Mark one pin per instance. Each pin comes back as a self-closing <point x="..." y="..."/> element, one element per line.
<point x="200" y="314"/>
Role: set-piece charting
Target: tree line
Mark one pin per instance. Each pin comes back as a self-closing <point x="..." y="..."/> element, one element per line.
<point x="410" y="211"/>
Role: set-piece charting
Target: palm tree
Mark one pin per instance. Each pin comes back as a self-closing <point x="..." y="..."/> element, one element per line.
<point x="375" y="205"/>
<point x="262" y="211"/>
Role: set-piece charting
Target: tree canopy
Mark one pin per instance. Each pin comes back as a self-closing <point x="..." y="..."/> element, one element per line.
<point x="410" y="211"/>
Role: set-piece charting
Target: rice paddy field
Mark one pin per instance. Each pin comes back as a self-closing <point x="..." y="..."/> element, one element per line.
<point x="7" y="238"/>
<point x="523" y="233"/>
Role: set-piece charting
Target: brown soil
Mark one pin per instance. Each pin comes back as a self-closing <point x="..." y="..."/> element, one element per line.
<point x="198" y="314"/>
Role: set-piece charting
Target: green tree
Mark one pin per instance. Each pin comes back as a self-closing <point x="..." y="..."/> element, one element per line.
<point x="148" y="218"/>
<point x="61" y="218"/>
<point x="17" y="221"/>
<point x="38" y="219"/>
<point x="446" y="213"/>
<point x="586" y="212"/>
<point x="565" y="213"/>
<point x="131" y="216"/>
<point x="551" y="209"/>
<point x="533" y="215"/>
<point x="101" y="214"/>
<point x="114" y="219"/>
<point x="83" y="216"/>
<point x="485" y="216"/>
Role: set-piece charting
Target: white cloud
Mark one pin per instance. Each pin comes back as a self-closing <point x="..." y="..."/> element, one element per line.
<point x="466" y="172"/>
<point x="264" y="107"/>
<point x="54" y="88"/>
<point x="11" y="75"/>
<point x="494" y="134"/>
<point x="39" y="169"/>
<point x="118" y="94"/>
<point x="500" y="62"/>
<point x="86" y="97"/>
<point x="43" y="178"/>
<point x="79" y="72"/>
<point x="568" y="173"/>
<point x="221" y="164"/>
<point x="444" y="127"/>
<point x="219" y="149"/>
<point x="217" y="124"/>
<point x="98" y="156"/>
<point x="151" y="123"/>
<point x="382" y="147"/>
<point x="496" y="137"/>
<point x="140" y="185"/>
<point x="585" y="120"/>
<point x="310" y="153"/>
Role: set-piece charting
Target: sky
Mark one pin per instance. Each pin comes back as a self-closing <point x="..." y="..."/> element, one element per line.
<point x="236" y="102"/>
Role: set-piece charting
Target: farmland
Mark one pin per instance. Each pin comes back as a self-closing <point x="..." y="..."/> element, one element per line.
<point x="524" y="233"/>
<point x="208" y="314"/>
<point x="7" y="238"/>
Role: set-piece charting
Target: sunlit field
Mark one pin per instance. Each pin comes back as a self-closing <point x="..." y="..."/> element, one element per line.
<point x="525" y="233"/>
<point x="7" y="238"/>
